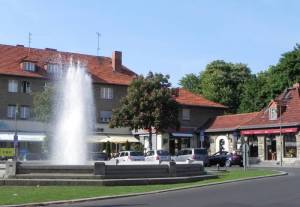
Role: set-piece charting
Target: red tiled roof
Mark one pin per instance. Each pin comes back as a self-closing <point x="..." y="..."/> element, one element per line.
<point x="100" y="68"/>
<point x="229" y="122"/>
<point x="290" y="101"/>
<point x="186" y="97"/>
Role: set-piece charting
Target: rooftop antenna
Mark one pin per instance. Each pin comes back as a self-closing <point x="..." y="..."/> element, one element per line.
<point x="29" y="41"/>
<point x="98" y="46"/>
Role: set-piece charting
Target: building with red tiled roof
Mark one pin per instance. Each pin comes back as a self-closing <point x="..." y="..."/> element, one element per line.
<point x="25" y="71"/>
<point x="188" y="98"/>
<point x="103" y="69"/>
<point x="271" y="134"/>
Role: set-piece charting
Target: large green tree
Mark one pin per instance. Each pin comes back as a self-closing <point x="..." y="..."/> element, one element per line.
<point x="149" y="104"/>
<point x="223" y="82"/>
<point x="191" y="82"/>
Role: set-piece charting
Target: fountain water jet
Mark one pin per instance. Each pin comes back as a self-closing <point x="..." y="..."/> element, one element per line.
<point x="74" y="117"/>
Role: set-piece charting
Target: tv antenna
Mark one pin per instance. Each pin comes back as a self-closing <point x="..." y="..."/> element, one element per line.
<point x="29" y="41"/>
<point x="98" y="43"/>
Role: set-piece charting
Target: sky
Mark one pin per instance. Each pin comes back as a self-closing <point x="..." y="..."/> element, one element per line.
<point x="166" y="36"/>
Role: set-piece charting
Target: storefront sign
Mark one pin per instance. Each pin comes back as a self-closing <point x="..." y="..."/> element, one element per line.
<point x="7" y="152"/>
<point x="269" y="131"/>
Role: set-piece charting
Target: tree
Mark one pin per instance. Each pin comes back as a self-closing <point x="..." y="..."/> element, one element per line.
<point x="223" y="82"/>
<point x="191" y="82"/>
<point x="149" y="105"/>
<point x="43" y="104"/>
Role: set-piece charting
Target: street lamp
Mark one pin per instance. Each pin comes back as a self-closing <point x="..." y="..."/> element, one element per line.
<point x="16" y="134"/>
<point x="280" y="135"/>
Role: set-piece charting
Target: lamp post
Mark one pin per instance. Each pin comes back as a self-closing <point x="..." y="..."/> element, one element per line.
<point x="280" y="136"/>
<point x="16" y="134"/>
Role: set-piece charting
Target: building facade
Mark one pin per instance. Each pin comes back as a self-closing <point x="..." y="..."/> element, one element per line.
<point x="26" y="71"/>
<point x="272" y="134"/>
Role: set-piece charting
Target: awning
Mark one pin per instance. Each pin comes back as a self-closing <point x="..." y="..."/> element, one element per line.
<point x="25" y="137"/>
<point x="120" y="139"/>
<point x="269" y="131"/>
<point x="97" y="138"/>
<point x="182" y="135"/>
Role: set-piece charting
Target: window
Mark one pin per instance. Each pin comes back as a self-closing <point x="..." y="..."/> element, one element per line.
<point x="290" y="145"/>
<point x="25" y="87"/>
<point x="11" y="111"/>
<point x="54" y="69"/>
<point x="272" y="114"/>
<point x="105" y="116"/>
<point x="12" y="86"/>
<point x="24" y="112"/>
<point x="106" y="93"/>
<point x="28" y="66"/>
<point x="186" y="114"/>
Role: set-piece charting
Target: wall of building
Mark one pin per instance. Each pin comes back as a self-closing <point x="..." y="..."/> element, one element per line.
<point x="199" y="115"/>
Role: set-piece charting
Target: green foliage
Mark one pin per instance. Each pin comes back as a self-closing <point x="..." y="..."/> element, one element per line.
<point x="149" y="104"/>
<point x="223" y="82"/>
<point x="108" y="149"/>
<point x="191" y="82"/>
<point x="43" y="104"/>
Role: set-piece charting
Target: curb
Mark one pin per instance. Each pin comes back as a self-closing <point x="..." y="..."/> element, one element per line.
<point x="280" y="173"/>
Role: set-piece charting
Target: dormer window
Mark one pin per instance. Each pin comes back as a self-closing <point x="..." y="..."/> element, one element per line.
<point x="54" y="69"/>
<point x="28" y="66"/>
<point x="273" y="114"/>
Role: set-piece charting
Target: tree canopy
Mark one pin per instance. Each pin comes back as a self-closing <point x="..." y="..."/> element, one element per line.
<point x="234" y="85"/>
<point x="148" y="104"/>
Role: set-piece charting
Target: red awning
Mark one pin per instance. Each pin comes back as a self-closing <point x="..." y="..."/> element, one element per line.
<point x="269" y="131"/>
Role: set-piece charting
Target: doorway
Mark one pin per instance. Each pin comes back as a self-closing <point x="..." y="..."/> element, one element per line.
<point x="270" y="148"/>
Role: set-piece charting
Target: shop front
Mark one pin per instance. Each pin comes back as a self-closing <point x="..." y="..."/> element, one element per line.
<point x="273" y="144"/>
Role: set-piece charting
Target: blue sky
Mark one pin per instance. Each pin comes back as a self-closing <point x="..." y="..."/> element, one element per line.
<point x="172" y="37"/>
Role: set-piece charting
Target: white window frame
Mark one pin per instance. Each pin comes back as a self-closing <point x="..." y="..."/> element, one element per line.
<point x="24" y="112"/>
<point x="12" y="86"/>
<point x="186" y="114"/>
<point x="54" y="69"/>
<point x="106" y="93"/>
<point x="28" y="66"/>
<point x="273" y="113"/>
<point x="11" y="111"/>
<point x="105" y="119"/>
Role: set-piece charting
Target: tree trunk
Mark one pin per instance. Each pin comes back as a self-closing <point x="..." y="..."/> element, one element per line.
<point x="150" y="138"/>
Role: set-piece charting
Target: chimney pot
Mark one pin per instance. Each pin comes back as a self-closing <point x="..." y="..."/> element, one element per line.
<point x="117" y="60"/>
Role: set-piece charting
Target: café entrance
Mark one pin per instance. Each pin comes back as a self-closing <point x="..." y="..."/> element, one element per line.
<point x="270" y="147"/>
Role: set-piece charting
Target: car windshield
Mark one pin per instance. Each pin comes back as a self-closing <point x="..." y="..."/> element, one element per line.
<point x="162" y="152"/>
<point x="136" y="154"/>
<point x="200" y="151"/>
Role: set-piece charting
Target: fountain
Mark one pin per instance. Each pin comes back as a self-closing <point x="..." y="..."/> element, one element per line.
<point x="74" y="114"/>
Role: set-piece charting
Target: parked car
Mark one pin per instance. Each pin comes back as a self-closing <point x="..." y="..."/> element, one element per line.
<point x="98" y="156"/>
<point x="199" y="154"/>
<point x="125" y="156"/>
<point x="161" y="155"/>
<point x="224" y="158"/>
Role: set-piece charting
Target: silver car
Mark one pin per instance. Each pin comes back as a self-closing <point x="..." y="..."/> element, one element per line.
<point x="127" y="156"/>
<point x="198" y="154"/>
<point x="160" y="155"/>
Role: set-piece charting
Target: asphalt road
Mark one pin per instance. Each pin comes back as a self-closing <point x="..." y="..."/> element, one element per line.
<point x="283" y="191"/>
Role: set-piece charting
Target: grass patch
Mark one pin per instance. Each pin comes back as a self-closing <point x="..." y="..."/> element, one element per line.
<point x="30" y="194"/>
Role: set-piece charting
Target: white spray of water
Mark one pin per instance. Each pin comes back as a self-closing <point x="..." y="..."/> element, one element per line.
<point x="74" y="117"/>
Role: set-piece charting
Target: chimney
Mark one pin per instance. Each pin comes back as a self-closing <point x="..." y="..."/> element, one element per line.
<point x="20" y="45"/>
<point x="116" y="60"/>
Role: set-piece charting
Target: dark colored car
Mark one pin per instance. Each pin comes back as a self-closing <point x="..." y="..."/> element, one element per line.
<point x="224" y="158"/>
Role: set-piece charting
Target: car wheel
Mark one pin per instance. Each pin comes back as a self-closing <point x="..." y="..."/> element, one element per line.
<point x="228" y="163"/>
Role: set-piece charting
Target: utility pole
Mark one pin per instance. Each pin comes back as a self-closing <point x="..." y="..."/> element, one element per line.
<point x="98" y="43"/>
<point x="280" y="135"/>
